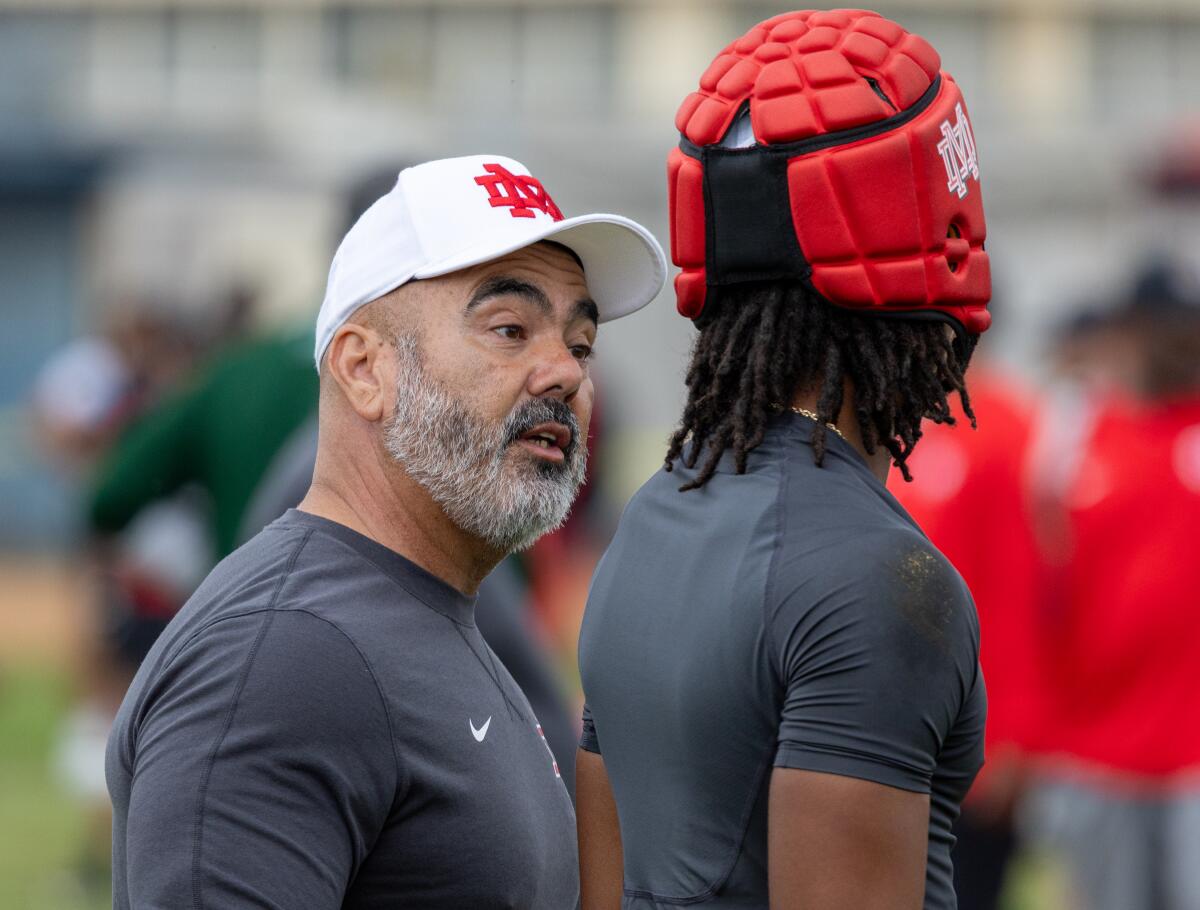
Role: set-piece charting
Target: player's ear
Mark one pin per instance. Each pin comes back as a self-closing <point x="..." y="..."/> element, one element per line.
<point x="360" y="361"/>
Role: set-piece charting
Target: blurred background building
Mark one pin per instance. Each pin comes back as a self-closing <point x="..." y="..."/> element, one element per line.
<point x="174" y="176"/>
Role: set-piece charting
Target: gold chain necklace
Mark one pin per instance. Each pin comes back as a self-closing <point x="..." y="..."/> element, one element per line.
<point x="815" y="419"/>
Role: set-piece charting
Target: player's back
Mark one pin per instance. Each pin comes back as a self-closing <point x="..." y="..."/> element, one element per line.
<point x="771" y="619"/>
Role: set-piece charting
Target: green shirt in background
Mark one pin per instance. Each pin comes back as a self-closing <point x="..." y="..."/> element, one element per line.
<point x="220" y="433"/>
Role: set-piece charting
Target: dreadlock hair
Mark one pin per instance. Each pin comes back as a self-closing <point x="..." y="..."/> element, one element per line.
<point x="761" y="342"/>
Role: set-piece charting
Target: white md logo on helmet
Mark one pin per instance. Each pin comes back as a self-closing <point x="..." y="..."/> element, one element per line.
<point x="957" y="149"/>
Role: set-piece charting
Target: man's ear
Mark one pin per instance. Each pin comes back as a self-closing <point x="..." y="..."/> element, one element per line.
<point x="359" y="360"/>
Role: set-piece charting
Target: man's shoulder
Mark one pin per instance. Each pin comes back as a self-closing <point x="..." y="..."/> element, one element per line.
<point x="275" y="647"/>
<point x="286" y="568"/>
<point x="287" y="676"/>
<point x="293" y="563"/>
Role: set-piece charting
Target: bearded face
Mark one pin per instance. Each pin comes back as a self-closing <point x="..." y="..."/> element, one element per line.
<point x="481" y="472"/>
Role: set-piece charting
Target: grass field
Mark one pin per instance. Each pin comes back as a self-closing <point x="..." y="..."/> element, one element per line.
<point x="42" y="831"/>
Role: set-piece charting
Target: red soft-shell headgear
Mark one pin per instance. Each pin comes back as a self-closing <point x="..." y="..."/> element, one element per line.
<point x="862" y="179"/>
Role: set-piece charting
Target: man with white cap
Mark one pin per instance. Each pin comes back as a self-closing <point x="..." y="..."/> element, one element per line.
<point x="322" y="724"/>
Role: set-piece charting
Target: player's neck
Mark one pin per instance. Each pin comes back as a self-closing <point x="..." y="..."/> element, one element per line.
<point x="879" y="462"/>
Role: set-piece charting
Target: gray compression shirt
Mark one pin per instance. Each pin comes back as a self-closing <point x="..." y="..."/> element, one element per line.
<point x="322" y="726"/>
<point x="791" y="617"/>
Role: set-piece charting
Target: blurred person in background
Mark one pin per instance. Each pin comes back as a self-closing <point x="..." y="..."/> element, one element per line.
<point x="784" y="701"/>
<point x="154" y="547"/>
<point x="968" y="494"/>
<point x="219" y="432"/>
<point x="85" y="397"/>
<point x="88" y="392"/>
<point x="1119" y="795"/>
<point x="1093" y="362"/>
<point x="82" y="396"/>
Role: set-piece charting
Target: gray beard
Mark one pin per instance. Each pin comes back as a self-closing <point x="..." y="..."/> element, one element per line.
<point x="464" y="462"/>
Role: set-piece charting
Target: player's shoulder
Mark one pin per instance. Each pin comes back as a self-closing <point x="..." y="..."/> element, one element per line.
<point x="910" y="576"/>
<point x="886" y="577"/>
<point x="667" y="492"/>
<point x="835" y="518"/>
<point x="864" y="546"/>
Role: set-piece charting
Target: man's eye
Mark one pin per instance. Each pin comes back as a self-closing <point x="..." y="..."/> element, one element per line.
<point x="510" y="332"/>
<point x="582" y="351"/>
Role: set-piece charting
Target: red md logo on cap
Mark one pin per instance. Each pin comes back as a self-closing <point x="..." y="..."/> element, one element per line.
<point x="521" y="194"/>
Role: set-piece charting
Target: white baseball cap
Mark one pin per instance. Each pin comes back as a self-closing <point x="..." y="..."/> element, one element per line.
<point x="447" y="215"/>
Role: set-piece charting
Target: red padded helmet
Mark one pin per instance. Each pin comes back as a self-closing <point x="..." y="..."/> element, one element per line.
<point x="829" y="147"/>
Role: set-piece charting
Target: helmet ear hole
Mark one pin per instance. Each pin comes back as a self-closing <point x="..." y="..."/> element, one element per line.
<point x="957" y="248"/>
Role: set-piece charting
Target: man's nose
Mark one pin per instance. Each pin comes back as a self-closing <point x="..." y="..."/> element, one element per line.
<point x="557" y="372"/>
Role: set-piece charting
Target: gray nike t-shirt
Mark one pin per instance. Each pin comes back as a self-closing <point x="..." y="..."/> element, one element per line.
<point x="322" y="726"/>
<point x="792" y="617"/>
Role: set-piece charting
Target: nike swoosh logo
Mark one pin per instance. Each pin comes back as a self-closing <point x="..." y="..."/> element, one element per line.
<point x="482" y="731"/>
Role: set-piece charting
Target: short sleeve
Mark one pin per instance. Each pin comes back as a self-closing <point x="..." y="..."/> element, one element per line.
<point x="589" y="741"/>
<point x="877" y="665"/>
<point x="263" y="769"/>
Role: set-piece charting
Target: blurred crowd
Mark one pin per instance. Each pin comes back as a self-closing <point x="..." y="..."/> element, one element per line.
<point x="1072" y="513"/>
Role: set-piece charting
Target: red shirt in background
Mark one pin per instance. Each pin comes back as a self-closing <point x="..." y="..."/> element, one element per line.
<point x="1126" y="674"/>
<point x="968" y="495"/>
